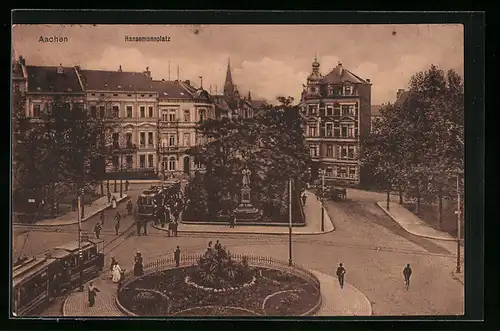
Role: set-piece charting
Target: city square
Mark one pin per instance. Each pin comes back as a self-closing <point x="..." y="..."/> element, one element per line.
<point x="171" y="193"/>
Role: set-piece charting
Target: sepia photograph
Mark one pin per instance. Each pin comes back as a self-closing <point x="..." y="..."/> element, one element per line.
<point x="237" y="170"/>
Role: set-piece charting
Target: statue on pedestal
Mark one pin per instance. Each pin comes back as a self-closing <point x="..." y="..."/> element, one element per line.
<point x="245" y="211"/>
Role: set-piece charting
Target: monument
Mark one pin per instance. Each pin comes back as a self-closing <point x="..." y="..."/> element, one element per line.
<point x="246" y="212"/>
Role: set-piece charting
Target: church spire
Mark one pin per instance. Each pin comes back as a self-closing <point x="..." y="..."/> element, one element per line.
<point x="228" y="85"/>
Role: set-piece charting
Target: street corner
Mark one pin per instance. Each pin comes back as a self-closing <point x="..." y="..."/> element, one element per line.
<point x="336" y="301"/>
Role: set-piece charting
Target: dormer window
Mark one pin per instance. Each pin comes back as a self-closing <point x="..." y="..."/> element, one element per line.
<point x="348" y="90"/>
<point x="313" y="90"/>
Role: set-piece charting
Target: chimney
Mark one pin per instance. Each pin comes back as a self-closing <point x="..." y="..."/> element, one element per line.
<point x="22" y="60"/>
<point x="399" y="93"/>
<point x="60" y="69"/>
<point x="120" y="68"/>
<point x="163" y="80"/>
<point x="147" y="72"/>
<point x="339" y="68"/>
<point x="368" y="80"/>
<point x="78" y="68"/>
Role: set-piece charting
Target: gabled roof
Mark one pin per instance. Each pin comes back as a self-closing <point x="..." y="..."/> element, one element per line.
<point x="46" y="79"/>
<point x="171" y="90"/>
<point x="402" y="98"/>
<point x="257" y="104"/>
<point x="333" y="77"/>
<point x="101" y="80"/>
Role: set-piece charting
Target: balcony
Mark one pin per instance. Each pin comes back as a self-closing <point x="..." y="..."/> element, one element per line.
<point x="123" y="149"/>
<point x="172" y="149"/>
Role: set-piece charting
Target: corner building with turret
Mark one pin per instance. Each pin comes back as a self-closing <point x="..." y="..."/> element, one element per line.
<point x="336" y="109"/>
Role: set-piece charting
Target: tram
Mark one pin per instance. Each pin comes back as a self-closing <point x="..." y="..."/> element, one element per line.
<point x="38" y="280"/>
<point x="156" y="196"/>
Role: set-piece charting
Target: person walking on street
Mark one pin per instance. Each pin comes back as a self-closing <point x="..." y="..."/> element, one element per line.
<point x="138" y="267"/>
<point x="145" y="226"/>
<point x="340" y="275"/>
<point x="102" y="218"/>
<point x="232" y="220"/>
<point x="177" y="256"/>
<point x="126" y="185"/>
<point x="118" y="218"/>
<point x="111" y="266"/>
<point x="92" y="294"/>
<point x="113" y="202"/>
<point x="407" y="274"/>
<point x="304" y="198"/>
<point x="130" y="207"/>
<point x="218" y="245"/>
<point x="109" y="196"/>
<point x="97" y="230"/>
<point x="174" y="228"/>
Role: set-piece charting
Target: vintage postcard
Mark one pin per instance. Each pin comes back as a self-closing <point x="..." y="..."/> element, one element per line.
<point x="237" y="170"/>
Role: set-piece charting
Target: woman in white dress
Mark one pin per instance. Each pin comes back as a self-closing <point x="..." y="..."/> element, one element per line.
<point x="117" y="273"/>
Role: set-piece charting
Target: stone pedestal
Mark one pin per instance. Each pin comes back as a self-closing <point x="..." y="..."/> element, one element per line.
<point x="245" y="212"/>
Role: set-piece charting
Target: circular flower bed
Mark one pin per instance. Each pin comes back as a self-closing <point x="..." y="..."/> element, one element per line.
<point x="220" y="286"/>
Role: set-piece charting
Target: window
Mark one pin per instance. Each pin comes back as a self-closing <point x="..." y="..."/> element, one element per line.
<point x="171" y="163"/>
<point x="116" y="111"/>
<point x="129" y="95"/>
<point x="350" y="131"/>
<point x="312" y="150"/>
<point x="186" y="139"/>
<point x="336" y="130"/>
<point x="313" y="89"/>
<point x="142" y="161"/>
<point x="355" y="131"/>
<point x="115" y="161"/>
<point x="129" y="111"/>
<point x="93" y="111"/>
<point x="186" y="116"/>
<point x="330" y="90"/>
<point x="116" y="137"/>
<point x="128" y="161"/>
<point x="312" y="110"/>
<point x="350" y="152"/>
<point x="348" y="110"/>
<point x="343" y="152"/>
<point x="352" y="172"/>
<point x="171" y="140"/>
<point x="150" y="139"/>
<point x="312" y="131"/>
<point x="329" y="151"/>
<point x="102" y="111"/>
<point x="36" y="110"/>
<point x="150" y="161"/>
<point x="150" y="111"/>
<point x="143" y="111"/>
<point x="164" y="116"/>
<point x="142" y="141"/>
<point x="329" y="172"/>
<point x="342" y="172"/>
<point x="329" y="110"/>
<point x="348" y="90"/>
<point x="202" y="115"/>
<point x="171" y="116"/>
<point x="344" y="130"/>
<point x="128" y="136"/>
<point x="336" y="110"/>
<point x="329" y="129"/>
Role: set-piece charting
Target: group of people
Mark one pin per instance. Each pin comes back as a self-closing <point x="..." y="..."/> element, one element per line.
<point x="406" y="275"/>
<point x="102" y="219"/>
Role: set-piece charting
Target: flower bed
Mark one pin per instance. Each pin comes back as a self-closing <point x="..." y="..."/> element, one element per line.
<point x="181" y="298"/>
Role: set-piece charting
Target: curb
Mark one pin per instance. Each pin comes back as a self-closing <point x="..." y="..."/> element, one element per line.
<point x="85" y="218"/>
<point x="245" y="232"/>
<point x="411" y="232"/>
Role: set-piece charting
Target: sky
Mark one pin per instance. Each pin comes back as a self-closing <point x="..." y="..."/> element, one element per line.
<point x="268" y="60"/>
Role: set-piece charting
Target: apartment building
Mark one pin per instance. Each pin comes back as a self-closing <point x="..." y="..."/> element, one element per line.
<point x="336" y="109"/>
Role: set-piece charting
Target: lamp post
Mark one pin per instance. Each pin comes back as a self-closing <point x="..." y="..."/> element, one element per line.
<point x="121" y="175"/>
<point x="458" y="212"/>
<point x="322" y="199"/>
<point x="290" y="263"/>
<point x="80" y="253"/>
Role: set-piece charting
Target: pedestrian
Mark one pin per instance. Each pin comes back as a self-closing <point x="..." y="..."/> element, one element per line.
<point x="340" y="275"/>
<point x="232" y="220"/>
<point x="407" y="274"/>
<point x="126" y="185"/>
<point x="138" y="225"/>
<point x="102" y="218"/>
<point x="113" y="202"/>
<point x="177" y="256"/>
<point x="218" y="245"/>
<point x="145" y="226"/>
<point x="174" y="228"/>
<point x="92" y="294"/>
<point x="118" y="218"/>
<point x="111" y="266"/>
<point x="117" y="273"/>
<point x="138" y="267"/>
<point x="109" y="195"/>
<point x="304" y="198"/>
<point x="97" y="230"/>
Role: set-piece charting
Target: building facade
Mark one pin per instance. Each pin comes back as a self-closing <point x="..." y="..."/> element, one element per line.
<point x="336" y="109"/>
